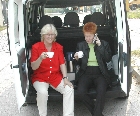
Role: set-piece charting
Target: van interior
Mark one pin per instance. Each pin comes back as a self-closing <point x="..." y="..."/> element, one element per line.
<point x="69" y="17"/>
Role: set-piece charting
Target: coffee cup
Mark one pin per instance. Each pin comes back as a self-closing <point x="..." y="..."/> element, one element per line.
<point x="50" y="54"/>
<point x="80" y="54"/>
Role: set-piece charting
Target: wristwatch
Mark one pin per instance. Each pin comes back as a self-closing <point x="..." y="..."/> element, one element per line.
<point x="65" y="77"/>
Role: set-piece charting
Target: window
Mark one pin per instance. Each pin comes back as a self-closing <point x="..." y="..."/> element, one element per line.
<point x="82" y="11"/>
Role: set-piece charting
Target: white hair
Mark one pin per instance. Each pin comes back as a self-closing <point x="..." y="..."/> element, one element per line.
<point x="46" y="29"/>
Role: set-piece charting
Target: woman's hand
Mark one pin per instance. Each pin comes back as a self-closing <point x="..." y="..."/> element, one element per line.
<point x="76" y="56"/>
<point x="35" y="64"/>
<point x="97" y="41"/>
<point x="43" y="56"/>
<point x="67" y="82"/>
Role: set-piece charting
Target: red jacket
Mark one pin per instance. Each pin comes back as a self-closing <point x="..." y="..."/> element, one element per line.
<point x="49" y="69"/>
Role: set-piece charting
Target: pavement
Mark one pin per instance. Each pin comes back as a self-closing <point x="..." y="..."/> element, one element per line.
<point x="4" y="50"/>
<point x="135" y="45"/>
<point x="136" y="67"/>
<point x="113" y="107"/>
<point x="134" y="33"/>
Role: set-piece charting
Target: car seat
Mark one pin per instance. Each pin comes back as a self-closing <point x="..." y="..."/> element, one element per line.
<point x="45" y="20"/>
<point x="57" y="21"/>
<point x="71" y="19"/>
<point x="98" y="18"/>
<point x="86" y="19"/>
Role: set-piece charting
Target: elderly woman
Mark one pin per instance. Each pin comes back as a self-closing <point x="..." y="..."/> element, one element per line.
<point x="93" y="70"/>
<point x="50" y="71"/>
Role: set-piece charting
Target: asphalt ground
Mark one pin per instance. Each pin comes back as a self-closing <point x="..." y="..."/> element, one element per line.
<point x="113" y="107"/>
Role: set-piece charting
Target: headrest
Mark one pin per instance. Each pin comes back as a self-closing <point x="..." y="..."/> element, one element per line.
<point x="86" y="19"/>
<point x="57" y="21"/>
<point x="72" y="19"/>
<point x="45" y="20"/>
<point x="98" y="18"/>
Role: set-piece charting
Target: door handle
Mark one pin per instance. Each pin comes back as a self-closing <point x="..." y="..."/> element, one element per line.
<point x="16" y="66"/>
<point x="23" y="67"/>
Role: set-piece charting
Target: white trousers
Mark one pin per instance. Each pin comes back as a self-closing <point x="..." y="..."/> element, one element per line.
<point x="42" y="97"/>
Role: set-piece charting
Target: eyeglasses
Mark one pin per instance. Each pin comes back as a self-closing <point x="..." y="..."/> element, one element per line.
<point x="52" y="35"/>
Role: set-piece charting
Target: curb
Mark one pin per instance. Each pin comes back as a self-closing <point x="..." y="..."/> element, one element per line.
<point x="135" y="72"/>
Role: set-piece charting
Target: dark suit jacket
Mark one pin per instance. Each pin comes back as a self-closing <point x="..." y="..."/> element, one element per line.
<point x="103" y="55"/>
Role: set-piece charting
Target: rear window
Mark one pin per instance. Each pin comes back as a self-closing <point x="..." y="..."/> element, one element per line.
<point x="82" y="11"/>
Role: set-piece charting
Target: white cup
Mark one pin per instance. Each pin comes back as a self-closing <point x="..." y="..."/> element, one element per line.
<point x="80" y="54"/>
<point x="50" y="54"/>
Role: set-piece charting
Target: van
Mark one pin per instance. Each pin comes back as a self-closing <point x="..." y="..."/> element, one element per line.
<point x="27" y="17"/>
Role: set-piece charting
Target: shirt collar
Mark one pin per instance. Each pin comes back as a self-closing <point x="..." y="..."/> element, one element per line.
<point x="42" y="46"/>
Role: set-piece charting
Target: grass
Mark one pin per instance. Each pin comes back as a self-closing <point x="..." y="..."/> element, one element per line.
<point x="135" y="14"/>
<point x="136" y="53"/>
<point x="2" y="27"/>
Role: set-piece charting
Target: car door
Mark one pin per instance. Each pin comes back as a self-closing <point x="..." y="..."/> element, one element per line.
<point x="124" y="46"/>
<point x="17" y="48"/>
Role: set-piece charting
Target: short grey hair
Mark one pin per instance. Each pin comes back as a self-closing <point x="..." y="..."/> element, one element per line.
<point x="46" y="29"/>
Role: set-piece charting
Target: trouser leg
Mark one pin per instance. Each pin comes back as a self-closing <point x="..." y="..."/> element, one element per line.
<point x="42" y="96"/>
<point x="101" y="86"/>
<point x="83" y="87"/>
<point x="68" y="98"/>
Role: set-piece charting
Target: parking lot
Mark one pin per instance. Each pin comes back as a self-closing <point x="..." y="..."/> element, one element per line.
<point x="113" y="107"/>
